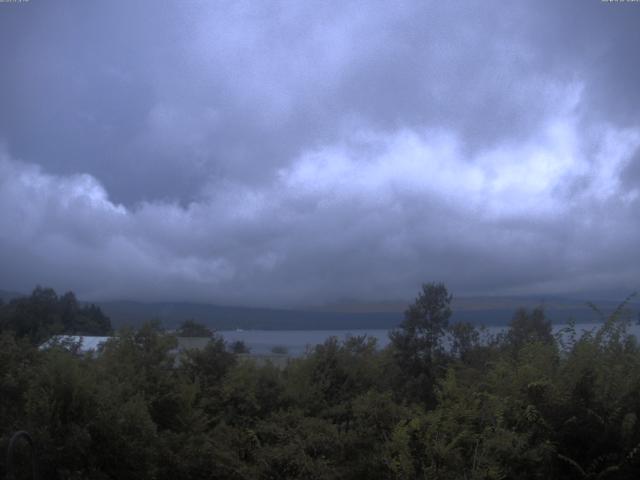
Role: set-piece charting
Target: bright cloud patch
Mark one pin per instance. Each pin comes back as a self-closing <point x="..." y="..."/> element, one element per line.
<point x="372" y="215"/>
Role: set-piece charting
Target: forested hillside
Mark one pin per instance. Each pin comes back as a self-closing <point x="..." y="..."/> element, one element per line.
<point x="495" y="311"/>
<point x="523" y="405"/>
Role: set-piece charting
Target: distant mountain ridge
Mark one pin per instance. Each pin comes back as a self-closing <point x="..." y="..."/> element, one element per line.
<point x="477" y="310"/>
<point x="231" y="318"/>
<point x="347" y="315"/>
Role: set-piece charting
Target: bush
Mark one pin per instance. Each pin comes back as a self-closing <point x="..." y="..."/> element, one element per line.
<point x="280" y="350"/>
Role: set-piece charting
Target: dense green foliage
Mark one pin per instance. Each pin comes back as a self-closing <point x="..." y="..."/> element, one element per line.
<point x="441" y="402"/>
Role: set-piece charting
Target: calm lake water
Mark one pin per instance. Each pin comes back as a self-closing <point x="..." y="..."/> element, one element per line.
<point x="297" y="341"/>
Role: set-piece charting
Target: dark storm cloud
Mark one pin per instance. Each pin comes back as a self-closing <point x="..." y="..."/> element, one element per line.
<point x="292" y="153"/>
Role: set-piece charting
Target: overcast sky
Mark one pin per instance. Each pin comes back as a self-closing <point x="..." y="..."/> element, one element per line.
<point x="295" y="153"/>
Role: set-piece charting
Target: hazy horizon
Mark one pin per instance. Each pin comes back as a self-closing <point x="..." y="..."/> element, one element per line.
<point x="460" y="303"/>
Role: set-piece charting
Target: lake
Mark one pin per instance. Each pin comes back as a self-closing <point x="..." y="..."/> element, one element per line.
<point x="296" y="341"/>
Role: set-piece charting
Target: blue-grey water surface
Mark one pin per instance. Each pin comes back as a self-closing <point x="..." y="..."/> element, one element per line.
<point x="296" y="342"/>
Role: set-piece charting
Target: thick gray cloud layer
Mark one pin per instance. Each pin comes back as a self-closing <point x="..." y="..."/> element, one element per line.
<point x="300" y="152"/>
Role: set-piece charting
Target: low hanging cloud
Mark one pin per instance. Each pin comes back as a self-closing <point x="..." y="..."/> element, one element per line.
<point x="295" y="154"/>
<point x="372" y="216"/>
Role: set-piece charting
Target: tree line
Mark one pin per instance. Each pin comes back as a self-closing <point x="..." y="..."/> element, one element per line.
<point x="43" y="314"/>
<point x="442" y="401"/>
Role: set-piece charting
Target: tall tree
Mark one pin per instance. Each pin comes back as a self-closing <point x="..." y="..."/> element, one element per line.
<point x="191" y="328"/>
<point x="418" y="341"/>
<point x="528" y="327"/>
